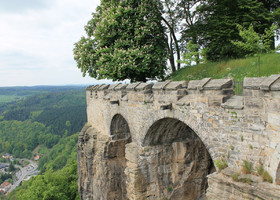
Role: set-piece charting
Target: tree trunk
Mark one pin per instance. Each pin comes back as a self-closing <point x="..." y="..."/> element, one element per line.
<point x="171" y="56"/>
<point x="175" y="41"/>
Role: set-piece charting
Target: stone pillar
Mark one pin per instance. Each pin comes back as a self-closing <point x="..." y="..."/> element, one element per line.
<point x="135" y="184"/>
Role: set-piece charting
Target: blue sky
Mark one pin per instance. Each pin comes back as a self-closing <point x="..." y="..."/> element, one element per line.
<point x="36" y="41"/>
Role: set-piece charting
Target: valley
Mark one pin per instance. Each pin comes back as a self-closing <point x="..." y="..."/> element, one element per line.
<point x="38" y="135"/>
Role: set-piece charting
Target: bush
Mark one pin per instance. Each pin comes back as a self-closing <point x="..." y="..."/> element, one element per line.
<point x="260" y="170"/>
<point x="247" y="167"/>
<point x="266" y="177"/>
<point x="264" y="174"/>
<point x="221" y="164"/>
<point x="170" y="188"/>
<point x="235" y="176"/>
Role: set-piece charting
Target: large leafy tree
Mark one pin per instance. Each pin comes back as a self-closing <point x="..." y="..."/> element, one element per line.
<point x="218" y="22"/>
<point x="125" y="40"/>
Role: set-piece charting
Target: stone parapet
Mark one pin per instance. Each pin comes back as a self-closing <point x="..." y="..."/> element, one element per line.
<point x="166" y="92"/>
<point x="260" y="86"/>
<point x="215" y="92"/>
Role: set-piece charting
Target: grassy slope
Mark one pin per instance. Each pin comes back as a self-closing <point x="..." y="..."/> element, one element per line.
<point x="236" y="69"/>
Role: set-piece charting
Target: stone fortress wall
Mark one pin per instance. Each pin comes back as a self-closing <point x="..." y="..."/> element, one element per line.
<point x="159" y="140"/>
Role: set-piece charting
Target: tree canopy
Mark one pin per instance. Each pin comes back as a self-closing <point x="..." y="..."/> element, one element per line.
<point x="254" y="43"/>
<point x="218" y="25"/>
<point x="125" y="40"/>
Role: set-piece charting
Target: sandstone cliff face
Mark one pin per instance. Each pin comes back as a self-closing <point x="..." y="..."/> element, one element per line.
<point x="222" y="187"/>
<point x="114" y="168"/>
<point x="101" y="166"/>
<point x="119" y="170"/>
<point x="174" y="163"/>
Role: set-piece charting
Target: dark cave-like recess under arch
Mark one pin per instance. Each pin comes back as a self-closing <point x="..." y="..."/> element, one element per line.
<point x="179" y="159"/>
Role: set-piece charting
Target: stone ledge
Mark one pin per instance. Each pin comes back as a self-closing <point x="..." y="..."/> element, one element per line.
<point x="265" y="85"/>
<point x="91" y="87"/>
<point x="144" y="86"/>
<point x="203" y="82"/>
<point x="222" y="187"/>
<point x="113" y="86"/>
<point x="276" y="85"/>
<point x="102" y="87"/>
<point x="132" y="86"/>
<point x="175" y="85"/>
<point x="210" y="84"/>
<point x="235" y="102"/>
<point x="193" y="84"/>
<point x="121" y="87"/>
<point x="253" y="83"/>
<point x="218" y="84"/>
<point x="262" y="83"/>
<point x="160" y="85"/>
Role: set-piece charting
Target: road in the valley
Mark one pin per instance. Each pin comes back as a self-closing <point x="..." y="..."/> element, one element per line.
<point x="23" y="173"/>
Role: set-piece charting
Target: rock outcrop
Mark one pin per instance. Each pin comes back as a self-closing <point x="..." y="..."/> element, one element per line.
<point x="222" y="187"/>
<point x="165" y="168"/>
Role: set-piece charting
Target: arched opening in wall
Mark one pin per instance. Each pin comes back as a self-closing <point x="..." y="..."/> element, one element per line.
<point x="277" y="178"/>
<point x="116" y="162"/>
<point x="177" y="161"/>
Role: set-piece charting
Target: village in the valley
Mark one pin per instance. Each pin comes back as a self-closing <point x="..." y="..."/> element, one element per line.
<point x="14" y="171"/>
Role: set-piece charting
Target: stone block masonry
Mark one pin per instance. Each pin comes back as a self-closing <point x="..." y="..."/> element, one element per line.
<point x="159" y="141"/>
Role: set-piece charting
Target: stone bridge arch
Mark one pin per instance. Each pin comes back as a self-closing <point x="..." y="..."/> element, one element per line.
<point x="176" y="160"/>
<point x="191" y="124"/>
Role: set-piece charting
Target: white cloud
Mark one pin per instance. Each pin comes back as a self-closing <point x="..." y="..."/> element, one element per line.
<point x="36" y="45"/>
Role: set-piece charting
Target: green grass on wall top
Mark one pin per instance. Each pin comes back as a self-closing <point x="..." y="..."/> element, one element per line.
<point x="236" y="69"/>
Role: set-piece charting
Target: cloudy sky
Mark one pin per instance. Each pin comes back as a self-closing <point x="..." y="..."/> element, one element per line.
<point x="37" y="38"/>
<point x="36" y="41"/>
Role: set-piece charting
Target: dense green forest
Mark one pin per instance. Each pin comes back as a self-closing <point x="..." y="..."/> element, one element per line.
<point x="21" y="138"/>
<point x="9" y="95"/>
<point x="58" y="178"/>
<point x="44" y="121"/>
<point x="41" y="119"/>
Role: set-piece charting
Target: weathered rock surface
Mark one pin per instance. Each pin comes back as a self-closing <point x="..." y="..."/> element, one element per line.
<point x="101" y="164"/>
<point x="165" y="168"/>
<point x="222" y="187"/>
